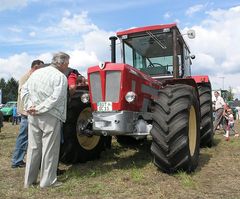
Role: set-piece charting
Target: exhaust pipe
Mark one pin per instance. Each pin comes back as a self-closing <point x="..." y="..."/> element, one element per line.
<point x="113" y="48"/>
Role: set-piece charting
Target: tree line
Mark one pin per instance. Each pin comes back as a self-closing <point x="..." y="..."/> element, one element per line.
<point x="9" y="90"/>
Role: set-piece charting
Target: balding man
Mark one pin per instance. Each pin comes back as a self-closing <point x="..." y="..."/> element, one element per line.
<point x="45" y="99"/>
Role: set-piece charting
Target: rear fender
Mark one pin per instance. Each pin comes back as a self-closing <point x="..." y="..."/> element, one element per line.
<point x="201" y="79"/>
<point x="188" y="81"/>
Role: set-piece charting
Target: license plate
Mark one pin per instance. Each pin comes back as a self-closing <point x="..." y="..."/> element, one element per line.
<point x="104" y="106"/>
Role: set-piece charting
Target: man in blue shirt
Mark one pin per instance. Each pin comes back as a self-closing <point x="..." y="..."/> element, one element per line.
<point x="15" y="115"/>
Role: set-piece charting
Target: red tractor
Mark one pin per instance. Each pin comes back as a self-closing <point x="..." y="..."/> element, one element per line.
<point x="152" y="93"/>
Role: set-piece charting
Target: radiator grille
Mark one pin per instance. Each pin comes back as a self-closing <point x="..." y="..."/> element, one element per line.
<point x="113" y="79"/>
<point x="95" y="82"/>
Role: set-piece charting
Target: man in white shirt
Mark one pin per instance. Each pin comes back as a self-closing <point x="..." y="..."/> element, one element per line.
<point x="45" y="98"/>
<point x="219" y="107"/>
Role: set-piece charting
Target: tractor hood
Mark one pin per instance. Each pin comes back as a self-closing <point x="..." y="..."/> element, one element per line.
<point x="110" y="82"/>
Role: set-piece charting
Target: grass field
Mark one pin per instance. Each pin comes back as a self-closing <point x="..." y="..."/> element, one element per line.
<point x="128" y="172"/>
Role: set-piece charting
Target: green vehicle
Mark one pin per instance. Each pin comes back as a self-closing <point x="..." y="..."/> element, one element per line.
<point x="7" y="110"/>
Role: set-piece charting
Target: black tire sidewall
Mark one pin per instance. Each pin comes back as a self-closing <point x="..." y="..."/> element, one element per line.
<point x="71" y="151"/>
<point x="173" y="153"/>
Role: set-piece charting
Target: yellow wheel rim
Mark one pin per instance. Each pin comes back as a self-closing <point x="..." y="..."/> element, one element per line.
<point x="192" y="131"/>
<point x="87" y="142"/>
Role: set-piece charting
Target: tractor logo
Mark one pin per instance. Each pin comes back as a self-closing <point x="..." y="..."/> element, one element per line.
<point x="101" y="65"/>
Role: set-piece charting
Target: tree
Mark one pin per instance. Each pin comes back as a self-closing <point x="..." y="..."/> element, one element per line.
<point x="3" y="86"/>
<point x="230" y="94"/>
<point x="9" y="90"/>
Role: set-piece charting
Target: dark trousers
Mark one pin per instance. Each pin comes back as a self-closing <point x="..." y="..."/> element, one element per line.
<point x="218" y="118"/>
<point x="14" y="120"/>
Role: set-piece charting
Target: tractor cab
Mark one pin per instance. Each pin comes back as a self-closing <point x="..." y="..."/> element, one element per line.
<point x="159" y="51"/>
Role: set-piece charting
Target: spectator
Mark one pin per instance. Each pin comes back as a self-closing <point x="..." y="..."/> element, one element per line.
<point x="22" y="138"/>
<point x="219" y="107"/>
<point x="45" y="99"/>
<point x="82" y="81"/>
<point x="1" y="121"/>
<point x="72" y="75"/>
<point x="238" y="113"/>
<point x="14" y="115"/>
<point x="230" y="124"/>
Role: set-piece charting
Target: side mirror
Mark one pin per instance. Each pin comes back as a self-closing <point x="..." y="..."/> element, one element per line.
<point x="191" y="34"/>
<point x="190" y="57"/>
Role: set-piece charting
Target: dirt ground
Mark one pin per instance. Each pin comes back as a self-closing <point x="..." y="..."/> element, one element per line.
<point x="128" y="172"/>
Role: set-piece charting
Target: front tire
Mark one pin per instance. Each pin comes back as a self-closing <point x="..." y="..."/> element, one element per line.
<point x="76" y="146"/>
<point x="176" y="129"/>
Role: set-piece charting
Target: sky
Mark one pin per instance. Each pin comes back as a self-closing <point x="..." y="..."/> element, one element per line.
<point x="35" y="29"/>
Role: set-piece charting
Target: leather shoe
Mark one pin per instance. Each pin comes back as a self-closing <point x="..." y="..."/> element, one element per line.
<point x="60" y="172"/>
<point x="56" y="184"/>
<point x="20" y="165"/>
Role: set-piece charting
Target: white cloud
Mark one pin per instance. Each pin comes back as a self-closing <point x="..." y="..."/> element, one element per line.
<point x="85" y="50"/>
<point x="67" y="13"/>
<point x="196" y="8"/>
<point x="236" y="92"/>
<point x="32" y="34"/>
<point x="73" y="24"/>
<point x="14" y="65"/>
<point x="167" y="15"/>
<point x="177" y="21"/>
<point x="81" y="60"/>
<point x="12" y="4"/>
<point x="217" y="48"/>
<point x="98" y="41"/>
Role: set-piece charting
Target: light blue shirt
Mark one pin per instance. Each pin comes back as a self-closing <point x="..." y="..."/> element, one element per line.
<point x="46" y="89"/>
<point x="14" y="111"/>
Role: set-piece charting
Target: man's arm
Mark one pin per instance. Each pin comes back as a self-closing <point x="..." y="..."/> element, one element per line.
<point x="72" y="83"/>
<point x="24" y="93"/>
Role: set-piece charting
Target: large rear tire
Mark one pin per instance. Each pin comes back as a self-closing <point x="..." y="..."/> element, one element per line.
<point x="76" y="146"/>
<point x="176" y="129"/>
<point x="206" y="134"/>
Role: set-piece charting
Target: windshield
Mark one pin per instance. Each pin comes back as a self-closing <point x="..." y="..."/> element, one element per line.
<point x="150" y="53"/>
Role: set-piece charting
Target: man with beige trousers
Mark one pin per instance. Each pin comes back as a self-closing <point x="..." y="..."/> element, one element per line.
<point x="45" y="99"/>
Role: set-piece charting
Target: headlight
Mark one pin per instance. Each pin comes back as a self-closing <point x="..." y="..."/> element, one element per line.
<point x="85" y="98"/>
<point x="130" y="96"/>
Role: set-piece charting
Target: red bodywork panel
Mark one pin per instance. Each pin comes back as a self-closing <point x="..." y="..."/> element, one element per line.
<point x="146" y="28"/>
<point x="128" y="74"/>
<point x="201" y="79"/>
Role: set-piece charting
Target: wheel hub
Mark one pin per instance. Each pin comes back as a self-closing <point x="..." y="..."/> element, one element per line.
<point x="192" y="131"/>
<point x="84" y="131"/>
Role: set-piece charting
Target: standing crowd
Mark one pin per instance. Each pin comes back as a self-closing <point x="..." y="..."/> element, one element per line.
<point x="223" y="116"/>
<point x="42" y="102"/>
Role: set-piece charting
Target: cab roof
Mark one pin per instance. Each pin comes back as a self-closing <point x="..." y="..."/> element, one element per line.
<point x="146" y="28"/>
